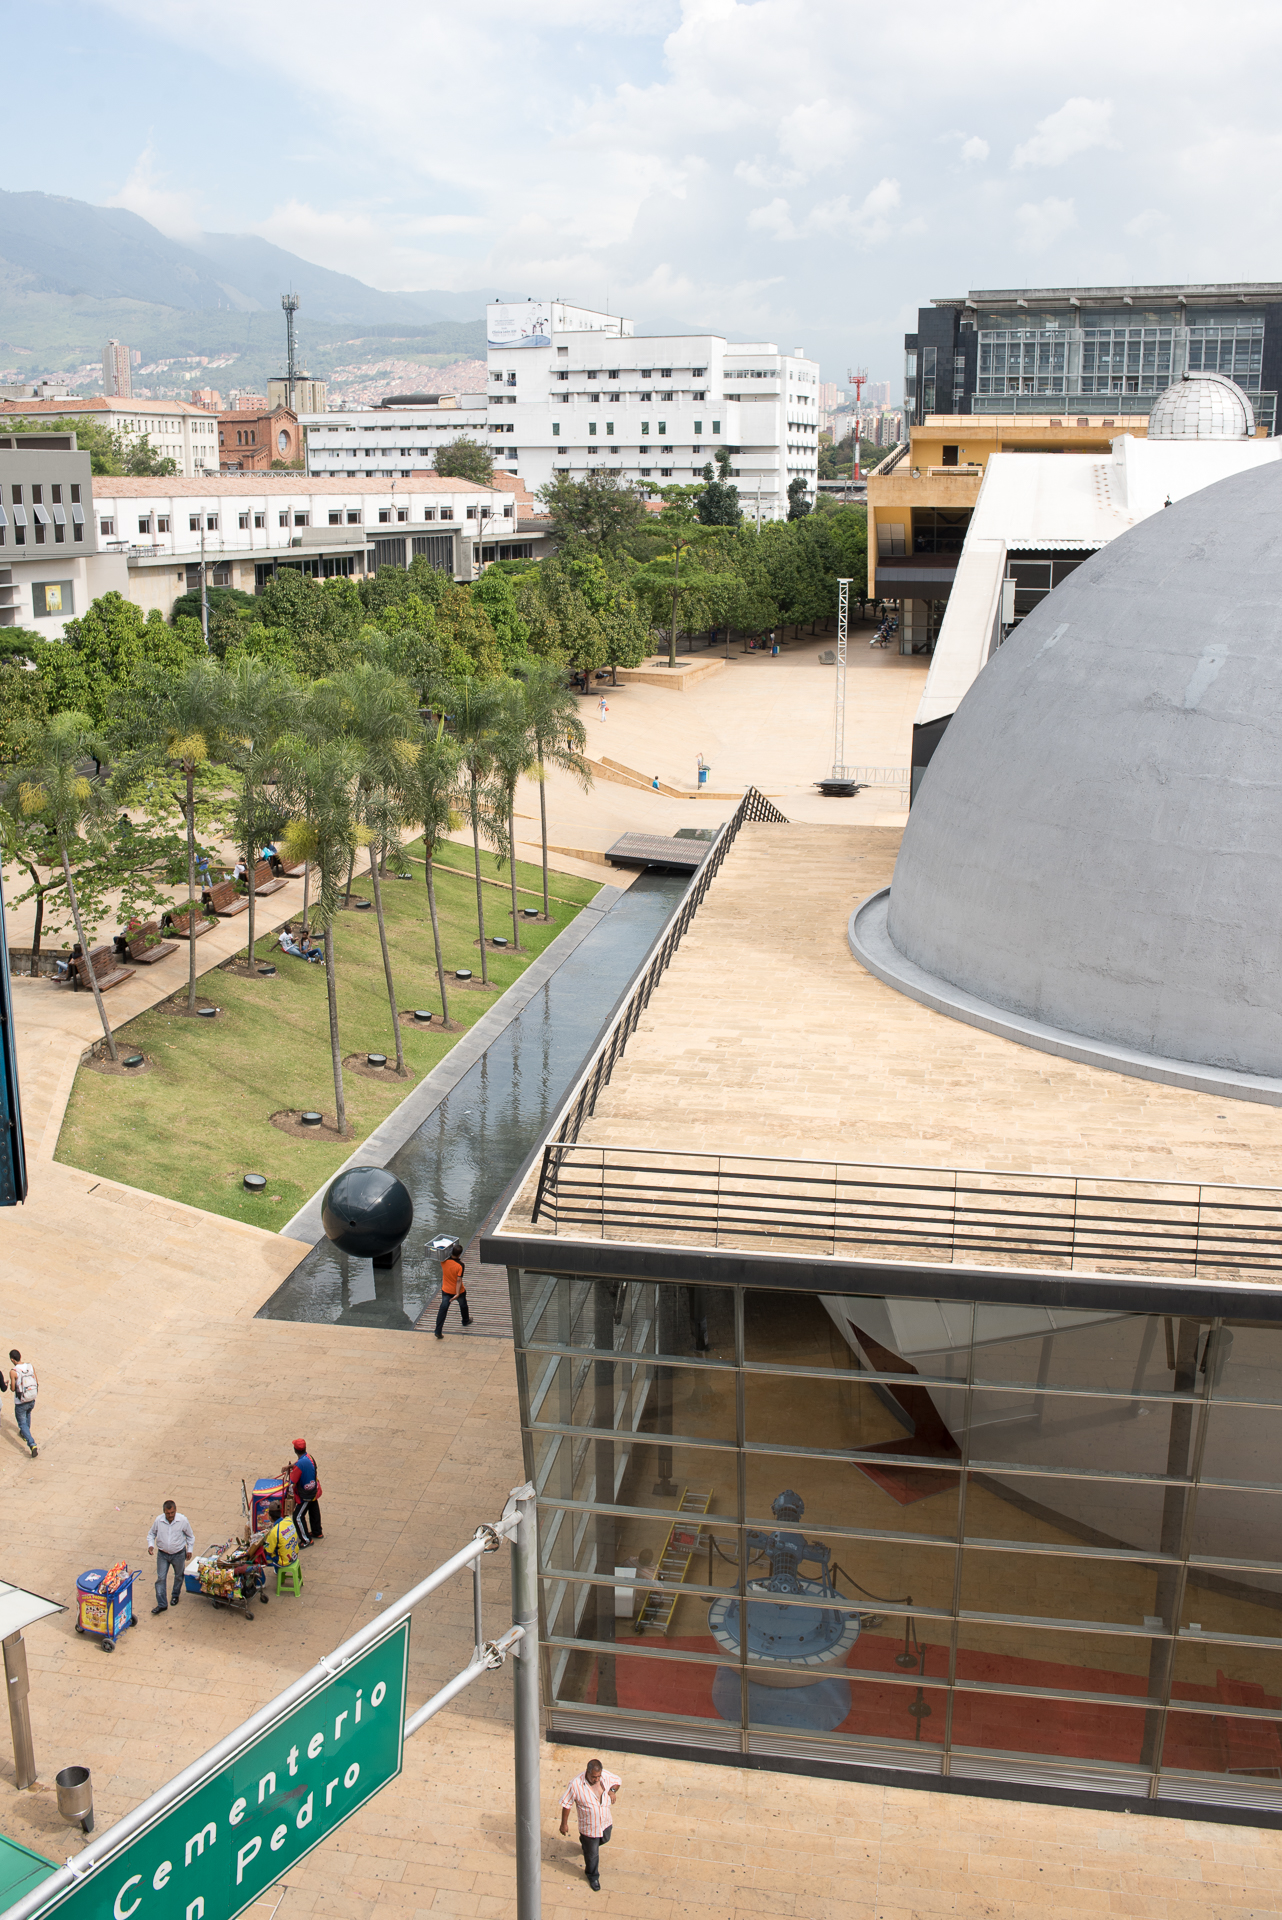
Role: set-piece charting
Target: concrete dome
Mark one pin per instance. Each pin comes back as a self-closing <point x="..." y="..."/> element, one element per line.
<point x="1097" y="844"/>
<point x="1202" y="406"/>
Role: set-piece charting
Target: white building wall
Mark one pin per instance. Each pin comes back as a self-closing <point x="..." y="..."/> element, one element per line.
<point x="388" y="442"/>
<point x="655" y="409"/>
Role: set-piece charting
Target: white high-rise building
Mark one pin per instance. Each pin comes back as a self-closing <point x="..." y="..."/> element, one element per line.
<point x="573" y="391"/>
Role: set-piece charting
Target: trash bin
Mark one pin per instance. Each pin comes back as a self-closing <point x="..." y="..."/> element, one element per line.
<point x="703" y="776"/>
<point x="75" y="1796"/>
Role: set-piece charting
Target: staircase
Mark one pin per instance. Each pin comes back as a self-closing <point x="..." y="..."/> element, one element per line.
<point x="658" y="1604"/>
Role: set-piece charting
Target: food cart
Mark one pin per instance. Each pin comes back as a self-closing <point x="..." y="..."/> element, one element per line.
<point x="229" y="1575"/>
<point x="105" y="1597"/>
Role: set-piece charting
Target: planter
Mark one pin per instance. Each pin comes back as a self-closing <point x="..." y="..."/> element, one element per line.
<point x="254" y="1182"/>
<point x="132" y="1060"/>
<point x="310" y="1119"/>
<point x="463" y="973"/>
<point x="422" y="1015"/>
<point x="376" y="1059"/>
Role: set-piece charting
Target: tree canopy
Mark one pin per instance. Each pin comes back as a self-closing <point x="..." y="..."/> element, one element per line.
<point x="465" y="459"/>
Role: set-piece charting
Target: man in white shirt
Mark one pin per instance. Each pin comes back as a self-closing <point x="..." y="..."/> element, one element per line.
<point x="172" y="1539"/>
<point x="593" y="1794"/>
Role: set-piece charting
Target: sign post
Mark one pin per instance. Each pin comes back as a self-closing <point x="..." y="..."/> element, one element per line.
<point x="216" y="1851"/>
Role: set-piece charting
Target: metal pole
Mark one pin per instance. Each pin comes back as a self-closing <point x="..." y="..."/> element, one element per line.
<point x="525" y="1702"/>
<point x="839" y="714"/>
<point x="204" y="594"/>
<point x="18" y="1689"/>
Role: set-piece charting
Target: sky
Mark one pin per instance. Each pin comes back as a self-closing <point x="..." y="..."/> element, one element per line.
<point x="806" y="171"/>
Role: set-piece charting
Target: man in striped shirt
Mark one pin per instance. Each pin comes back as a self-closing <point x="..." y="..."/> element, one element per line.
<point x="593" y="1792"/>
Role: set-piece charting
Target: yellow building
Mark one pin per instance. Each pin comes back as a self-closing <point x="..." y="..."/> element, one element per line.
<point x="921" y="497"/>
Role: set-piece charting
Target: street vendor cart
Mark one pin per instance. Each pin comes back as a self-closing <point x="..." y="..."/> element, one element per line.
<point x="229" y="1576"/>
<point x="105" y="1598"/>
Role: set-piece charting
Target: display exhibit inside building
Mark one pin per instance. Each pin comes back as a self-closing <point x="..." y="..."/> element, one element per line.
<point x="989" y="1537"/>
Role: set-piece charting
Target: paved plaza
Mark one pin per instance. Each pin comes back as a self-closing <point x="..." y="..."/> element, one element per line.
<point x="157" y="1380"/>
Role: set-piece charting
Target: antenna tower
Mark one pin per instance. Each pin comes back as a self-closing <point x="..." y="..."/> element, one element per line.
<point x="857" y="378"/>
<point x="291" y="304"/>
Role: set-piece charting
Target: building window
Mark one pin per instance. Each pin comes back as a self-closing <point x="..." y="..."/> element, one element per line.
<point x="260" y="520"/>
<point x="665" y="373"/>
<point x="556" y="429"/>
<point x="716" y="426"/>
<point x="284" y="519"/>
<point x="302" y="519"/>
<point x="667" y="396"/>
<point x="107" y="528"/>
<point x="211" y="522"/>
<point x="162" y="523"/>
<point x="700" y="396"/>
<point x="507" y="513"/>
<point x="609" y="426"/>
<point x="697" y="373"/>
<point x="353" y="516"/>
<point x="447" y="513"/>
<point x="663" y="428"/>
<point x="52" y="599"/>
<point x="471" y="513"/>
<point x="665" y="473"/>
<point x="698" y="428"/>
<point x="336" y="519"/>
<point x="429" y="513"/>
<point x="645" y="429"/>
<point x="591" y="426"/>
<point x="644" y="472"/>
<point x="243" y="522"/>
<point x="144" y="523"/>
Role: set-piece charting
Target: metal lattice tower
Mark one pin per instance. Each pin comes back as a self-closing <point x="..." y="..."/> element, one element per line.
<point x="291" y="303"/>
<point x="839" y="716"/>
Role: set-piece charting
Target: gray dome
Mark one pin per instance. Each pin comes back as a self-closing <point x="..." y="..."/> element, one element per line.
<point x="1202" y="406"/>
<point x="1097" y="844"/>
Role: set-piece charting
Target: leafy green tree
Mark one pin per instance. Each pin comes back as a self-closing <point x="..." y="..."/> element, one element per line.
<point x="24" y="705"/>
<point x="798" y="499"/>
<point x="317" y="779"/>
<point x="494" y="591"/>
<point x="50" y="784"/>
<point x="558" y="737"/>
<point x="427" y="798"/>
<point x="473" y="711"/>
<point x="259" y="706"/>
<point x="465" y="459"/>
<point x="106" y="454"/>
<point x="221" y="600"/>
<point x="718" y="504"/>
<point x="169" y="731"/>
<point x="142" y="460"/>
<point x="464" y="629"/>
<point x="109" y="644"/>
<point x="515" y="754"/>
<point x="622" y="626"/>
<point x="602" y="509"/>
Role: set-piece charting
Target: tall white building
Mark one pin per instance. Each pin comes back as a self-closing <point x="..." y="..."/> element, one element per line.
<point x="572" y="391"/>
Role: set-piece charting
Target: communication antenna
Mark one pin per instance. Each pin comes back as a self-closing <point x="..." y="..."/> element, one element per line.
<point x="291" y="303"/>
<point x="857" y="378"/>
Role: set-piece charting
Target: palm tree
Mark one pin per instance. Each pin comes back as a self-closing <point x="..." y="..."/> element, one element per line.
<point x="515" y="754"/>
<point x="173" y="724"/>
<point x="315" y="783"/>
<point x="379" y="716"/>
<point x="473" y="709"/>
<point x="428" y="802"/>
<point x="50" y="785"/>
<point x="559" y="738"/>
<point x="258" y="710"/>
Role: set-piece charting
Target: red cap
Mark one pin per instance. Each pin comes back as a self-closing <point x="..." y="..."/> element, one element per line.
<point x="300" y="1446"/>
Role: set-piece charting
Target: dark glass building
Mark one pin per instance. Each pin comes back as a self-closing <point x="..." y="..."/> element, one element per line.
<point x="1072" y="350"/>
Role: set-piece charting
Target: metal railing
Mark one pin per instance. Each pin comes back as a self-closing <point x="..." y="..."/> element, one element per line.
<point x="909" y="1213"/>
<point x="581" y="1101"/>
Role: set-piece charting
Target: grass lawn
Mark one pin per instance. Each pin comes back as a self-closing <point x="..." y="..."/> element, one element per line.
<point x="200" y="1119"/>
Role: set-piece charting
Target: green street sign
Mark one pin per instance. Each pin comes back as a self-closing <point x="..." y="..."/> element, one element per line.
<point x="214" y="1853"/>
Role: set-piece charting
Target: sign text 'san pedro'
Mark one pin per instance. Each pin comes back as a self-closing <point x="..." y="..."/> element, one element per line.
<point x="237" y="1833"/>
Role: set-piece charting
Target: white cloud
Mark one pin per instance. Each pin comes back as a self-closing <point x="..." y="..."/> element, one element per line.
<point x="1079" y="124"/>
<point x="818" y="135"/>
<point x="1040" y="226"/>
<point x="1148" y="225"/>
<point x="871" y="221"/>
<point x="974" y="149"/>
<point x="143" y="193"/>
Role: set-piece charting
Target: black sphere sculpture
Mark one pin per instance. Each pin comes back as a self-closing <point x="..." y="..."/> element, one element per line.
<point x="367" y="1212"/>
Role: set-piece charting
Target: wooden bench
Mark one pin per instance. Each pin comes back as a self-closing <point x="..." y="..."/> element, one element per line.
<point x="106" y="970"/>
<point x="265" y="880"/>
<point x="179" y="928"/>
<point x="138" y="934"/>
<point x="225" y="900"/>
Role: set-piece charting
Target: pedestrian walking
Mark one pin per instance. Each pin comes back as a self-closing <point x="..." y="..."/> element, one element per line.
<point x="603" y="709"/>
<point x="307" y="1493"/>
<point x="173" y="1541"/>
<point x="24" y="1387"/>
<point x="593" y="1793"/>
<point x="452" y="1288"/>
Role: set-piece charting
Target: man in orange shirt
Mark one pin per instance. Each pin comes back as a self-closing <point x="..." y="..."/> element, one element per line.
<point x="452" y="1288"/>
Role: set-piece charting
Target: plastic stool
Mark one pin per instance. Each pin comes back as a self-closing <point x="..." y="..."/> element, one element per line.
<point x="291" y="1577"/>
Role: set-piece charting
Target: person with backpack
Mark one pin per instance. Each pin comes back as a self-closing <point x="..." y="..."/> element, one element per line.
<point x="452" y="1288"/>
<point x="24" y="1386"/>
<point x="307" y="1493"/>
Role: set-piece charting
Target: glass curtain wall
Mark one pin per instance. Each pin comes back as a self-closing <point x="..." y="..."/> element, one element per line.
<point x="986" y="1539"/>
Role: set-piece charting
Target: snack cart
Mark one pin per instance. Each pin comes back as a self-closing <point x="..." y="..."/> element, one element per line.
<point x="229" y="1576"/>
<point x="106" y="1603"/>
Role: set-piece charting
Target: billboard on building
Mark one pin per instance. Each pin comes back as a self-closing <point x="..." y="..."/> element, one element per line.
<point x="519" y="323"/>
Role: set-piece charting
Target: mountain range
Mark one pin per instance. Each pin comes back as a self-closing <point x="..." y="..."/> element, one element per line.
<point x="73" y="275"/>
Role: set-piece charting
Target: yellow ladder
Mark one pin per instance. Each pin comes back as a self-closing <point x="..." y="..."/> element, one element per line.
<point x="658" y="1604"/>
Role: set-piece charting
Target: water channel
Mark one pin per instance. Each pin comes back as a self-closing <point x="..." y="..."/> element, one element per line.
<point x="470" y="1147"/>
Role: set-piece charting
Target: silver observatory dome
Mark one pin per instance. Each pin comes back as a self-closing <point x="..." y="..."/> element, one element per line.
<point x="1097" y="844"/>
<point x="1202" y="406"/>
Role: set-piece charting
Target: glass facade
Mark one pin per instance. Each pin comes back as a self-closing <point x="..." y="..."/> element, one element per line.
<point x="973" y="1537"/>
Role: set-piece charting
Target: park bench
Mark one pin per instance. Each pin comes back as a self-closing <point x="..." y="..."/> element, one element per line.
<point x="179" y="928"/>
<point x="106" y="969"/>
<point x="138" y="934"/>
<point x="265" y="881"/>
<point x="225" y="900"/>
